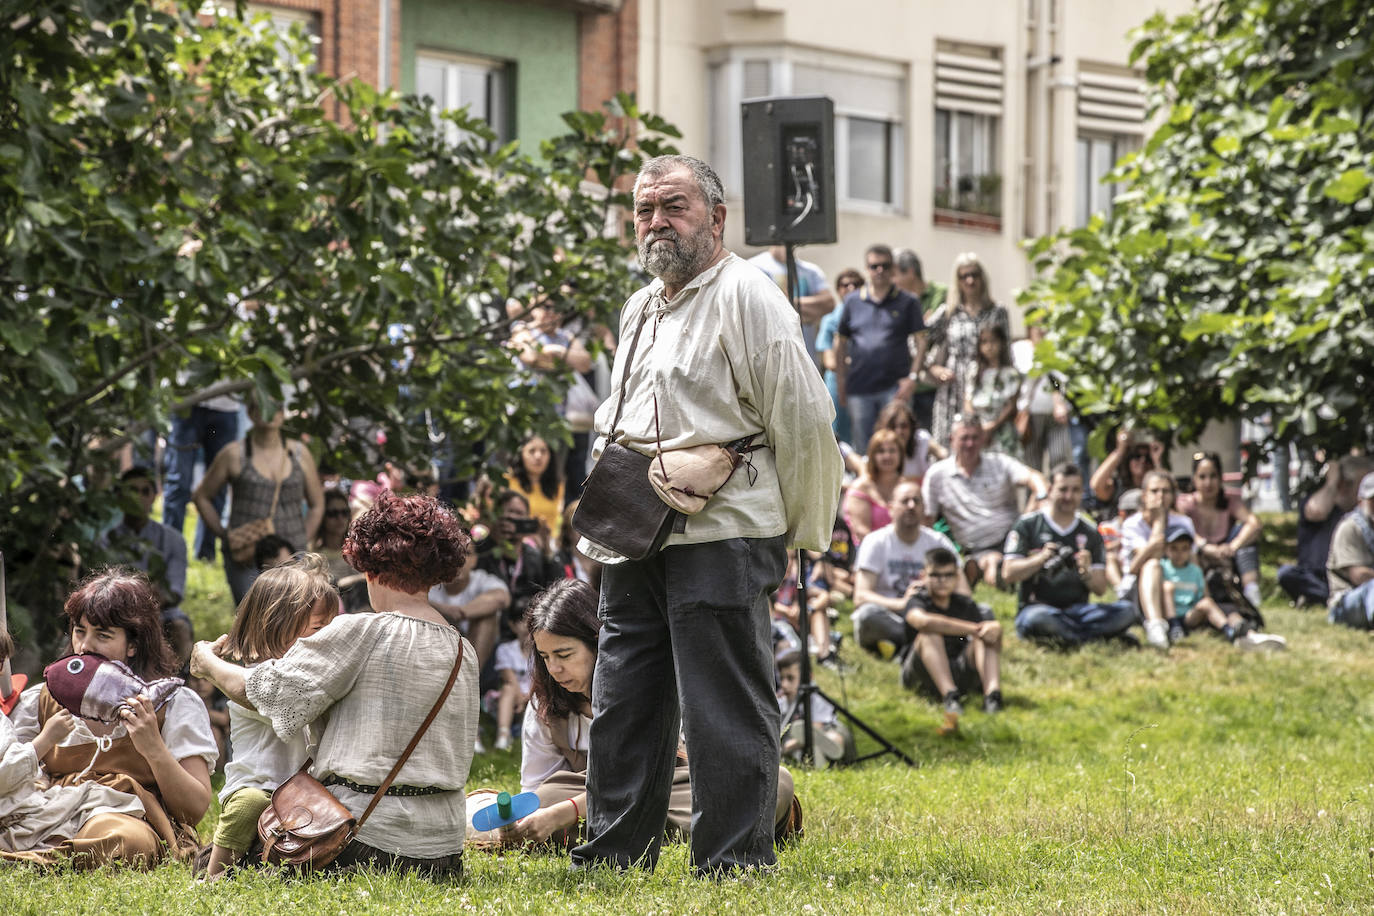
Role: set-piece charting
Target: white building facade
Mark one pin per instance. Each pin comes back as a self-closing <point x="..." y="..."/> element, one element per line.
<point x="967" y="126"/>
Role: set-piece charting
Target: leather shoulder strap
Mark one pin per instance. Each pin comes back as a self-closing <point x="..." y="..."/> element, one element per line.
<point x="419" y="733"/>
<point x="629" y="364"/>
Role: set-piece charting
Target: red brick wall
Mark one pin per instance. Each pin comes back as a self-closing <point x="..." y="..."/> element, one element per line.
<point x="349" y="37"/>
<point x="608" y="54"/>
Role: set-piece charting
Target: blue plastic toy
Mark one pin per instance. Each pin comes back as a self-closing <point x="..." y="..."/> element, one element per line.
<point x="507" y="810"/>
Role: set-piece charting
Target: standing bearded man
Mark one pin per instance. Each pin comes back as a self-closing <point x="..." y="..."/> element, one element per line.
<point x="686" y="637"/>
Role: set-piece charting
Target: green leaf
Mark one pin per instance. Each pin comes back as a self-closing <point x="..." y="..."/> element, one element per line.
<point x="1349" y="187"/>
<point x="1226" y="145"/>
<point x="57" y="369"/>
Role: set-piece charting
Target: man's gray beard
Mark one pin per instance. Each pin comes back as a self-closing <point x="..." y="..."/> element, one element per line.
<point x="677" y="264"/>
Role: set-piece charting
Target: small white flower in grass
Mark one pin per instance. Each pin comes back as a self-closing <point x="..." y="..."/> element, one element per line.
<point x="1250" y="811"/>
<point x="1321" y="812"/>
<point x="808" y="908"/>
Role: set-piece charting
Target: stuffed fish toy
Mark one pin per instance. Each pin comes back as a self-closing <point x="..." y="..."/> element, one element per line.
<point x="98" y="688"/>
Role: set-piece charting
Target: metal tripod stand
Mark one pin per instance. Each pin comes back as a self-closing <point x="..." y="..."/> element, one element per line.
<point x="808" y="688"/>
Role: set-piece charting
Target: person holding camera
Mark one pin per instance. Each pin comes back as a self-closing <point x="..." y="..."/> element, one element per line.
<point x="1060" y="562"/>
<point x="520" y="553"/>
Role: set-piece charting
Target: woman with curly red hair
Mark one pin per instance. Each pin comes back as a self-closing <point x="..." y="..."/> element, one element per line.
<point x="377" y="676"/>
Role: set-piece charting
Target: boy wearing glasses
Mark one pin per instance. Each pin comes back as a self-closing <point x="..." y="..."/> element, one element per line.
<point x="954" y="651"/>
<point x="889" y="570"/>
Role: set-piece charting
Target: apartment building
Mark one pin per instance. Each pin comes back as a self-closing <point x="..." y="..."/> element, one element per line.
<point x="965" y="126"/>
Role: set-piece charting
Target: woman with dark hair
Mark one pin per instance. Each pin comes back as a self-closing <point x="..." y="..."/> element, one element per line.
<point x="919" y="449"/>
<point x="1124" y="469"/>
<point x="554" y="738"/>
<point x="1228" y="532"/>
<point x="267" y="475"/>
<point x="377" y="676"/>
<point x="847" y="281"/>
<point x="537" y="477"/>
<point x="156" y="761"/>
<point x="338" y="515"/>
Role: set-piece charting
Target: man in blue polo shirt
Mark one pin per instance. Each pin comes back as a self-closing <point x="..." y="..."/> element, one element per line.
<point x="875" y="361"/>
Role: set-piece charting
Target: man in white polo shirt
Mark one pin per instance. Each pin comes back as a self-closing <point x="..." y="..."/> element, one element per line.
<point x="975" y="491"/>
<point x="889" y="569"/>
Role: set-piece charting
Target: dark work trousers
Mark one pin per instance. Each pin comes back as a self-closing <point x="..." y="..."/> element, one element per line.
<point x="685" y="638"/>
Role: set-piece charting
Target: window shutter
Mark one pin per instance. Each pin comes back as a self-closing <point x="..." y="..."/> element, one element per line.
<point x="1110" y="102"/>
<point x="969" y="78"/>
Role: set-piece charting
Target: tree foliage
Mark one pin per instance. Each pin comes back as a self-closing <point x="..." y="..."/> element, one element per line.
<point x="1234" y="275"/>
<point x="181" y="218"/>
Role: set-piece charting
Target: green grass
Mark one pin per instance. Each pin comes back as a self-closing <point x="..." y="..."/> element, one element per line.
<point x="1116" y="781"/>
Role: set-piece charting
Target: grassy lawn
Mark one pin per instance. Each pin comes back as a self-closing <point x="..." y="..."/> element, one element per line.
<point x="1116" y="781"/>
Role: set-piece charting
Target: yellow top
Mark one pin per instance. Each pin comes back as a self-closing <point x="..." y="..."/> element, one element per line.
<point x="550" y="511"/>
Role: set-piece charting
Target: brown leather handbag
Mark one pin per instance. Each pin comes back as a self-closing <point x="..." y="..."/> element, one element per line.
<point x="619" y="509"/>
<point x="306" y="827"/>
<point x="242" y="540"/>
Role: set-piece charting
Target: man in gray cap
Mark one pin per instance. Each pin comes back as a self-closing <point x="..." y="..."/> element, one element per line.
<point x="1350" y="565"/>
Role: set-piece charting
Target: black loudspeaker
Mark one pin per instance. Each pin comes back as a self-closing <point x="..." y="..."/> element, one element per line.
<point x="789" y="170"/>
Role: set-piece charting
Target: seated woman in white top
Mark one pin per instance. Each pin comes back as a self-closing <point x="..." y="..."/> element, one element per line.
<point x="154" y="761"/>
<point x="564" y="626"/>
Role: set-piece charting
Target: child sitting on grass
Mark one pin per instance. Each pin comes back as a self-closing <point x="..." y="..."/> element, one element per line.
<point x="284" y="604"/>
<point x="954" y="651"/>
<point x="1187" y="605"/>
<point x="831" y="739"/>
<point x="823" y="641"/>
<point x="512" y="663"/>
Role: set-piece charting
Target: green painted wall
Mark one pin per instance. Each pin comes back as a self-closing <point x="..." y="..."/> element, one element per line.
<point x="540" y="41"/>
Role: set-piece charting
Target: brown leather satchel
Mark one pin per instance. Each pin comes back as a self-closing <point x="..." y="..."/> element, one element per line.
<point x="619" y="509"/>
<point x="306" y="827"/>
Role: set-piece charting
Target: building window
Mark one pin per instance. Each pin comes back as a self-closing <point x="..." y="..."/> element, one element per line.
<point x="481" y="86"/>
<point x="1096" y="157"/>
<point x="1111" y="123"/>
<point x="870" y="101"/>
<point x="284" y="21"/>
<point x="968" y="124"/>
<point x="966" y="171"/>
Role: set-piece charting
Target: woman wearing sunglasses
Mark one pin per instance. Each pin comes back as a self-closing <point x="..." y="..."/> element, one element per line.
<point x="954" y="339"/>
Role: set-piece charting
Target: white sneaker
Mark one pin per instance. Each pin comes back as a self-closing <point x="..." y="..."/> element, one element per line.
<point x="1157" y="634"/>
<point x="503" y="741"/>
<point x="479" y="747"/>
<point x="1254" y="641"/>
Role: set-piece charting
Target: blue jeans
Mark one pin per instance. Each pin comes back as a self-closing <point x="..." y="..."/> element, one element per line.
<point x="201" y="430"/>
<point x="863" y="413"/>
<point x="1355" y="608"/>
<point x="686" y="639"/>
<point x="1074" y="625"/>
<point x="841" y="424"/>
<point x="1301" y="582"/>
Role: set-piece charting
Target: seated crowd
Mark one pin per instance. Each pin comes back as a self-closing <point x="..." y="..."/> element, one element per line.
<point x="973" y="477"/>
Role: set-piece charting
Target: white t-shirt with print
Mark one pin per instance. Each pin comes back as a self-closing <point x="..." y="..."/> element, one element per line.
<point x="895" y="562"/>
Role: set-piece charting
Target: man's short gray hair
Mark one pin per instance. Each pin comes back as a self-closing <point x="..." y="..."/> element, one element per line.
<point x="907" y="262"/>
<point x="712" y="191"/>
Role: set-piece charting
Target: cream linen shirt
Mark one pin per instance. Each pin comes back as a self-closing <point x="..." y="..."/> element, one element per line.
<point x="377" y="676"/>
<point x="726" y="359"/>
